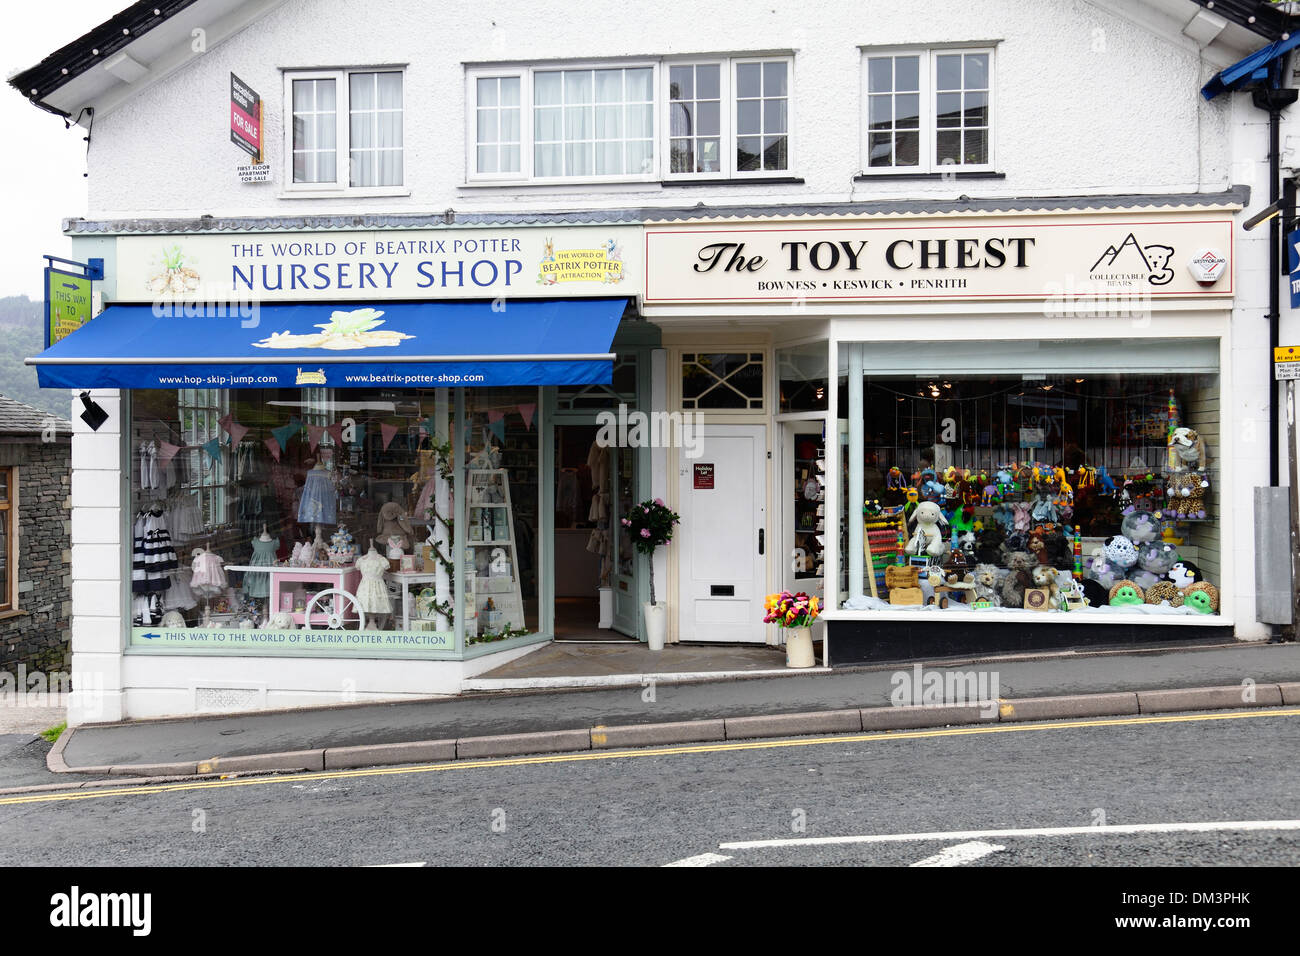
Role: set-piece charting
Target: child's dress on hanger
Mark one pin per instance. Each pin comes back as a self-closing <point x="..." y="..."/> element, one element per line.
<point x="209" y="578"/>
<point x="257" y="584"/>
<point x="319" y="504"/>
<point x="372" y="593"/>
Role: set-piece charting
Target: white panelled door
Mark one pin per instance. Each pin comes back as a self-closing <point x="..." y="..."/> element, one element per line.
<point x="722" y="539"/>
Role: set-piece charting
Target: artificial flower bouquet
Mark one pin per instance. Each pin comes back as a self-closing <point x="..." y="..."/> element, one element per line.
<point x="791" y="610"/>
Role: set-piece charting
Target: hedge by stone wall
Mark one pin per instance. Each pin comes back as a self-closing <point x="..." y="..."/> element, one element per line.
<point x="40" y="635"/>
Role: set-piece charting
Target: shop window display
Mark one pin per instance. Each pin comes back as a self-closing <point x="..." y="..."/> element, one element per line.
<point x="1059" y="492"/>
<point x="260" y="515"/>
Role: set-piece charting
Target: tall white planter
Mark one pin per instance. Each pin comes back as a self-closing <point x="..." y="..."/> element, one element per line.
<point x="799" y="647"/>
<point x="656" y="625"/>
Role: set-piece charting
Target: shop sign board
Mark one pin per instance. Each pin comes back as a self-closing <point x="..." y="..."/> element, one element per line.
<point x="969" y="257"/>
<point x="1293" y="259"/>
<point x="245" y="118"/>
<point x="386" y="264"/>
<point x="1286" y="362"/>
<point x="68" y="303"/>
<point x="304" y="641"/>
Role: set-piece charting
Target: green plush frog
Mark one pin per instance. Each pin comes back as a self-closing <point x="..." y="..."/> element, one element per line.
<point x="1199" y="601"/>
<point x="1126" y="597"/>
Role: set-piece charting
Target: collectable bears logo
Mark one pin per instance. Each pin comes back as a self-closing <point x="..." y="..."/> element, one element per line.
<point x="1132" y="260"/>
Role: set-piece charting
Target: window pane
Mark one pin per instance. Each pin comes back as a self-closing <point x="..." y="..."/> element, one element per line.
<point x="977" y="112"/>
<point x="361" y="90"/>
<point x="362" y="169"/>
<point x="4" y="485"/>
<point x="609" y="86"/>
<point x="977" y="71"/>
<point x="907" y="149"/>
<point x="747" y="79"/>
<point x="577" y="86"/>
<point x="908" y="108"/>
<point x="774" y="116"/>
<point x="880" y="111"/>
<point x="548" y="161"/>
<point x="487" y="91"/>
<point x="977" y="146"/>
<point x="510" y="159"/>
<point x="708" y="80"/>
<point x="509" y="91"/>
<point x="681" y="158"/>
<point x="609" y="122"/>
<point x="774" y="79"/>
<point x="681" y="83"/>
<point x="708" y="120"/>
<point x="304" y="95"/>
<point x="640" y="121"/>
<point x="747" y="150"/>
<point x="948" y="146"/>
<point x="546" y="89"/>
<point x="907" y="74"/>
<point x="578" y="160"/>
<point x="640" y="157"/>
<point x="325" y="98"/>
<point x="948" y="108"/>
<point x="774" y="152"/>
<point x="880" y="77"/>
<point x="362" y="127"/>
<point x="487" y="126"/>
<point x="682" y="118"/>
<point x="948" y="72"/>
<point x="487" y="159"/>
<point x="509" y="125"/>
<point x="577" y="122"/>
<point x="546" y="124"/>
<point x="639" y="85"/>
<point x="881" y="149"/>
<point x="609" y="159"/>
<point x="748" y="119"/>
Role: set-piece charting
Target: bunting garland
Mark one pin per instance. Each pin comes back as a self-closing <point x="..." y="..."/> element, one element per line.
<point x="528" y="411"/>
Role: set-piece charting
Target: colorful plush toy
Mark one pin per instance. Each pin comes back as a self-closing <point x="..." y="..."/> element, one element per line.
<point x="986" y="582"/>
<point x="1102" y="571"/>
<point x="1120" y="552"/>
<point x="1105" y="483"/>
<point x="1202" y="597"/>
<point x="1186" y="451"/>
<point x="1158" y="557"/>
<point x="1126" y="594"/>
<point x="1184" y="574"/>
<point x="1164" y="592"/>
<point x="1140" y="527"/>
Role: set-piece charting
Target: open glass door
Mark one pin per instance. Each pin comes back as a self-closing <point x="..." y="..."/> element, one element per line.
<point x="626" y="615"/>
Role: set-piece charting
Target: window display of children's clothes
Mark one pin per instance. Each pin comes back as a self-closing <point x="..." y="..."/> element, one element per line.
<point x="152" y="555"/>
<point x="184" y="517"/>
<point x="178" y="596"/>
<point x="319" y="504"/>
<point x="146" y="610"/>
<point x="258" y="584"/>
<point x="372" y="593"/>
<point x="209" y="578"/>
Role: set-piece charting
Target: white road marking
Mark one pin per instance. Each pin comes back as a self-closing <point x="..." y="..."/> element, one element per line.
<point x="1209" y="827"/>
<point x="378" y="866"/>
<point x="961" y="854"/>
<point x="704" y="859"/>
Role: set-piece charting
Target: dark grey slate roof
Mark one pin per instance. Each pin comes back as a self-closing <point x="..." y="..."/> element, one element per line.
<point x="1233" y="196"/>
<point x="19" y="418"/>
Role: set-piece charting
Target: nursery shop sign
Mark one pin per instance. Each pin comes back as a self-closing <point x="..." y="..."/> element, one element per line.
<point x="397" y="264"/>
<point x="941" y="258"/>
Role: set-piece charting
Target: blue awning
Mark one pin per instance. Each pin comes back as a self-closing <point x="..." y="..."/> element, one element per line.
<point x="387" y="344"/>
<point x="1253" y="70"/>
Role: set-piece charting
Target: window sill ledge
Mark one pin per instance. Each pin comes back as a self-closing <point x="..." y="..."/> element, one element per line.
<point x="344" y="193"/>
<point x="955" y="174"/>
<point x="6" y="615"/>
<point x="741" y="181"/>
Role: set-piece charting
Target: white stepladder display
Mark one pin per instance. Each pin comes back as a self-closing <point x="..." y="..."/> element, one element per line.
<point x="492" y="590"/>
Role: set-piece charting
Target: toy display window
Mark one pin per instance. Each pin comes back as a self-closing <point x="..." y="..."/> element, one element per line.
<point x="1095" y="491"/>
<point x="248" y="505"/>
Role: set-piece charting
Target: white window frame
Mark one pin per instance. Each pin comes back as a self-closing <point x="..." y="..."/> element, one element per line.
<point x="527" y="123"/>
<point x="929" y="112"/>
<point x="342" y="136"/>
<point x="729" y="111"/>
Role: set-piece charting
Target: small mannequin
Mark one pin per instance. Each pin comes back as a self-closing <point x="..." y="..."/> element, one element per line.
<point x="265" y="536"/>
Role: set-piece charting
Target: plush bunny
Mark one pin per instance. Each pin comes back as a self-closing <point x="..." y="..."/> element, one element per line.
<point x="393" y="523"/>
<point x="928" y="538"/>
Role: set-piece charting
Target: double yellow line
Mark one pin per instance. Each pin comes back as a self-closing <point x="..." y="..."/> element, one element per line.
<point x="893" y="735"/>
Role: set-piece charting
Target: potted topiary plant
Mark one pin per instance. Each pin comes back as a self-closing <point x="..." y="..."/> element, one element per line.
<point x="794" y="613"/>
<point x="650" y="525"/>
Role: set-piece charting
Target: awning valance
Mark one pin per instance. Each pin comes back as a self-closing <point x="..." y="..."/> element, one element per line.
<point x="389" y="344"/>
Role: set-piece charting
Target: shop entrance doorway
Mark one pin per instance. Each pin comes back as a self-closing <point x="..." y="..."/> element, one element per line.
<point x="802" y="467"/>
<point x="586" y="548"/>
<point x="723" y="545"/>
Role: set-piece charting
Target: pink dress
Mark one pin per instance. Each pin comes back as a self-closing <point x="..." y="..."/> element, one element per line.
<point x="209" y="577"/>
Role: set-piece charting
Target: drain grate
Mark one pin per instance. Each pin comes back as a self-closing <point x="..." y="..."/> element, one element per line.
<point x="210" y="699"/>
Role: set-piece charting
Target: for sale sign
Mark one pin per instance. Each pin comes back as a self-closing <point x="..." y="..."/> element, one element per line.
<point x="245" y="117"/>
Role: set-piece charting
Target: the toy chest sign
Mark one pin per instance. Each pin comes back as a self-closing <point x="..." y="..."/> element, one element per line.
<point x="941" y="258"/>
<point x="396" y="264"/>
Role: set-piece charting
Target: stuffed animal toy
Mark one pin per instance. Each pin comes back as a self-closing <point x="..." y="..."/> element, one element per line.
<point x="1022" y="519"/>
<point x="1193" y="498"/>
<point x="1102" y="571"/>
<point x="986" y="582"/>
<point x="279" y="621"/>
<point x="1120" y="552"/>
<point x="1044" y="576"/>
<point x="1094" y="593"/>
<point x="1020" y="566"/>
<point x="929" y="538"/>
<point x="1164" y="592"/>
<point x="1158" y="557"/>
<point x="1126" y="594"/>
<point x="1144" y="579"/>
<point x="930" y="489"/>
<point x="1105" y="483"/>
<point x="1186" y="451"/>
<point x="1140" y="527"/>
<point x="393" y="523"/>
<point x="1202" y="597"/>
<point x="1044" y="506"/>
<point x="988" y="544"/>
<point x="1184" y="574"/>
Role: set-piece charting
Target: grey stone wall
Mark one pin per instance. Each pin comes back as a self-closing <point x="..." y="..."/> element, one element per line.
<point x="39" y="636"/>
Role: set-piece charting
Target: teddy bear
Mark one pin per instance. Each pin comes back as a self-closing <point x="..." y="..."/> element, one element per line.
<point x="986" y="582"/>
<point x="1020" y="565"/>
<point x="1044" y="576"/>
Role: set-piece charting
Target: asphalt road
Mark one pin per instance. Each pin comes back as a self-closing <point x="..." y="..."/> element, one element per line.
<point x="673" y="804"/>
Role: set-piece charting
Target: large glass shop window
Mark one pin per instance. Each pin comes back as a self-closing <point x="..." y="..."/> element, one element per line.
<point x="317" y="521"/>
<point x="1091" y="491"/>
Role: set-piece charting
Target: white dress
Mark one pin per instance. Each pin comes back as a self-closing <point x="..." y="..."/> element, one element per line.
<point x="372" y="593"/>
